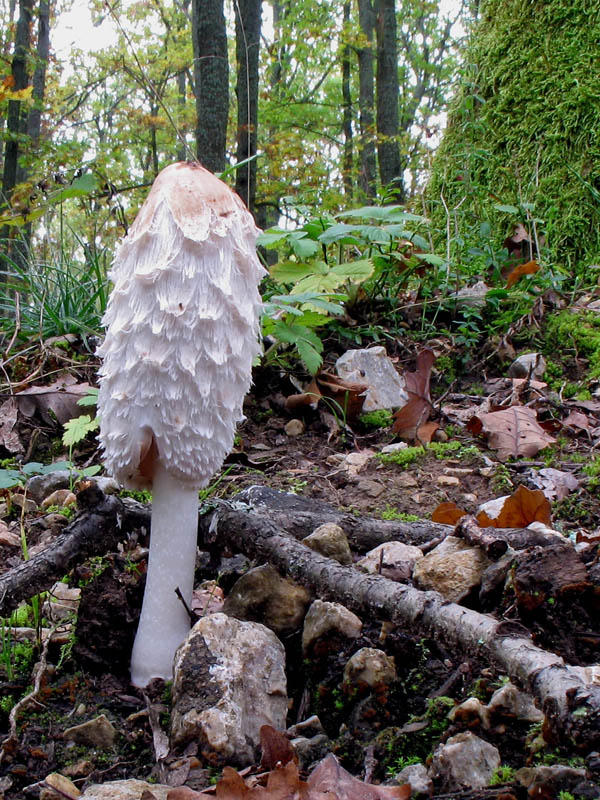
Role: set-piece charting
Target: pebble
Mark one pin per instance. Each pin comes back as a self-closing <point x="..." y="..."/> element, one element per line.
<point x="61" y="498"/>
<point x="371" y="488"/>
<point x="23" y="502"/>
<point x="98" y="732"/>
<point x="394" y="448"/>
<point x="295" y="427"/>
<point x="448" y="480"/>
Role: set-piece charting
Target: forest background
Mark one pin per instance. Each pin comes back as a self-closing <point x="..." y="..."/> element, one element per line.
<point x="327" y="117"/>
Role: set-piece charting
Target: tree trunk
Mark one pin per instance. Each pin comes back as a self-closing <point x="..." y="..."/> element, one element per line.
<point x="248" y="20"/>
<point x="16" y="127"/>
<point x="211" y="82"/>
<point x="388" y="150"/>
<point x="366" y="100"/>
<point x="348" y="157"/>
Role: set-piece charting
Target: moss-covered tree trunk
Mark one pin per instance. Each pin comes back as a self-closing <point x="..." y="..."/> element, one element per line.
<point x="524" y="130"/>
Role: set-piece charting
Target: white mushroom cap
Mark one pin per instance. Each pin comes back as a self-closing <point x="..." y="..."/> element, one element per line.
<point x="182" y="331"/>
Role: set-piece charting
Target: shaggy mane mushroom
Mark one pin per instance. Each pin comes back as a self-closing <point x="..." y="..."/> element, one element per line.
<point x="182" y="333"/>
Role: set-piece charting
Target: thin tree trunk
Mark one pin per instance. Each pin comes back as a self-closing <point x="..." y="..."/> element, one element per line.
<point x="248" y="20"/>
<point x="181" y="78"/>
<point x="388" y="150"/>
<point x="348" y="156"/>
<point x="211" y="82"/>
<point x="366" y="100"/>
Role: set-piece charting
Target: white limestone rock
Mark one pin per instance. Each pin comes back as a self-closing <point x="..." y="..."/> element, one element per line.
<point x="386" y="388"/>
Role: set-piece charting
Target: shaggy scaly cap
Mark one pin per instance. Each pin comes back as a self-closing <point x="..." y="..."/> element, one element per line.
<point x="182" y="330"/>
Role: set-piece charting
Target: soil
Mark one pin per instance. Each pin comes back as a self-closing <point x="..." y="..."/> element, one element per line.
<point x="392" y="725"/>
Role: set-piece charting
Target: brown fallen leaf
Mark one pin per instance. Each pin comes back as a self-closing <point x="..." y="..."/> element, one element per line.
<point x="346" y="398"/>
<point x="9" y="438"/>
<point x="410" y="419"/>
<point x="447" y="513"/>
<point x="555" y="483"/>
<point x="514" y="432"/>
<point x="528" y="268"/>
<point x="519" y="510"/>
<point x="56" y="402"/>
<point x="333" y="781"/>
<point x="577" y="420"/>
<point x="276" y="748"/>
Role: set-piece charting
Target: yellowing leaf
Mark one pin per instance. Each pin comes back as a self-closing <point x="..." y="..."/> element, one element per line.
<point x="514" y="432"/>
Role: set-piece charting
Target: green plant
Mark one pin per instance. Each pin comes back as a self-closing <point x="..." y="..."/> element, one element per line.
<point x="402" y="458"/>
<point x="373" y="420"/>
<point x="401" y="763"/>
<point x="390" y="513"/>
<point x="502" y="774"/>
<point x="54" y="299"/>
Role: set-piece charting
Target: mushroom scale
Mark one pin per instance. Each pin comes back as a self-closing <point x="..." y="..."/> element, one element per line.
<point x="182" y="335"/>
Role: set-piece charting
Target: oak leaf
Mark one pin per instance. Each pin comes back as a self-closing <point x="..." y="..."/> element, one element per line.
<point x="410" y="420"/>
<point x="519" y="510"/>
<point x="447" y="513"/>
<point x="513" y="432"/>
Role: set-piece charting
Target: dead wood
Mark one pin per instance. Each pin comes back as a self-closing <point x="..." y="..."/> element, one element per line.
<point x="486" y="538"/>
<point x="104" y="522"/>
<point x="571" y="707"/>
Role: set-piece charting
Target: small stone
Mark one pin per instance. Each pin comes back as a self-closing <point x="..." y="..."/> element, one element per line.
<point x="324" y="620"/>
<point x="406" y="481"/>
<point x="421" y="784"/>
<point x="98" y="732"/>
<point x="452" y="568"/>
<point x="440" y="435"/>
<point x="371" y="666"/>
<point x="62" y="602"/>
<point x="393" y="560"/>
<point x="80" y="769"/>
<point x="394" y="448"/>
<point x="464" y="760"/>
<point x="470" y="711"/>
<point x="528" y="365"/>
<point x="487" y="472"/>
<point x="372" y="367"/>
<point x="61" y="498"/>
<point x="58" y="785"/>
<point x="371" y="488"/>
<point x="8" y="538"/>
<point x="331" y="541"/>
<point x="448" y="480"/>
<point x="508" y="701"/>
<point x="125" y="790"/>
<point x="24" y="503"/>
<point x="469" y="497"/>
<point x="460" y="472"/>
<point x="295" y="427"/>
<point x="354" y="462"/>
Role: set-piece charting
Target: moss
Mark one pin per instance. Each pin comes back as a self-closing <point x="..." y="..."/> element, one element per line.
<point x="575" y="335"/>
<point x="373" y="420"/>
<point x="524" y="128"/>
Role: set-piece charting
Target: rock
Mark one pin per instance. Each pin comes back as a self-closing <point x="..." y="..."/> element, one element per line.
<point x="546" y="782"/>
<point x="307" y="728"/>
<point x="371" y="666"/>
<point x="386" y="388"/>
<point x="98" y="732"/>
<point x="452" y="568"/>
<point x="421" y="785"/>
<point x="331" y="541"/>
<point x="311" y="750"/>
<point x="25" y="503"/>
<point x="394" y="448"/>
<point x="508" y="701"/>
<point x="80" y="769"/>
<point x="9" y="538"/>
<point x="471" y="296"/>
<point x="125" y="790"/>
<point x="57" y="784"/>
<point x="60" y="497"/>
<point x="372" y="489"/>
<point x="40" y="486"/>
<point x="325" y="620"/>
<point x="448" y="480"/>
<point x="528" y="365"/>
<point x="470" y="711"/>
<point x="262" y="595"/>
<point x="395" y="559"/>
<point x="229" y="680"/>
<point x="62" y="602"/>
<point x="295" y="427"/>
<point x="464" y="761"/>
<point x="354" y="462"/>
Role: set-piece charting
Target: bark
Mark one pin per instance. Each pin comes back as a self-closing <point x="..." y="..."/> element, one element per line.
<point x="366" y="99"/>
<point x="388" y="150"/>
<point x="348" y="158"/>
<point x="248" y="20"/>
<point x="211" y="82"/>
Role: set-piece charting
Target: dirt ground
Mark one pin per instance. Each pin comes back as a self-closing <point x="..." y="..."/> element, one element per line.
<point x="398" y="724"/>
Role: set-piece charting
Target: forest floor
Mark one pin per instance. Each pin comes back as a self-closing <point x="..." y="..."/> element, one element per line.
<point x="331" y="460"/>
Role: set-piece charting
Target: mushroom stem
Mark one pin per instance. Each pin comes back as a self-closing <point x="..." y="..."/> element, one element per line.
<point x="164" y="622"/>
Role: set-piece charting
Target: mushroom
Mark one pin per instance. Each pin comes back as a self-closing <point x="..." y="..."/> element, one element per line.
<point x="182" y="334"/>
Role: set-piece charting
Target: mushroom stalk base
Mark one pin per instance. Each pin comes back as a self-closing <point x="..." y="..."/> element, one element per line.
<point x="164" y="622"/>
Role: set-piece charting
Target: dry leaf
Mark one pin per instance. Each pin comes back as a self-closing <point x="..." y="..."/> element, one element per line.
<point x="528" y="268"/>
<point x="555" y="483"/>
<point x="514" y="432"/>
<point x="447" y="513"/>
<point x="9" y="437"/>
<point x="330" y="778"/>
<point x="519" y="510"/>
<point x="57" y="402"/>
<point x="346" y="398"/>
<point x="411" y="417"/>
<point x="207" y="599"/>
<point x="276" y="748"/>
<point x="578" y="421"/>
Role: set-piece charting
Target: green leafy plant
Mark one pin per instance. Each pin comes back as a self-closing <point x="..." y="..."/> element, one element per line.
<point x="373" y="420"/>
<point x="501" y="775"/>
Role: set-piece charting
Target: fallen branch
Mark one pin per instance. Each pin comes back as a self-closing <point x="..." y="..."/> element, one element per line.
<point x="571" y="706"/>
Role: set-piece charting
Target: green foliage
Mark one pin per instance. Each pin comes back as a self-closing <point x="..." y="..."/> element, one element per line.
<point x="374" y="420"/>
<point x="520" y="129"/>
<point x="400" y="763"/>
<point x="53" y="299"/>
<point x="403" y="458"/>
<point x="502" y="774"/>
<point x="392" y="513"/>
<point x="573" y="335"/>
<point x="440" y="450"/>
